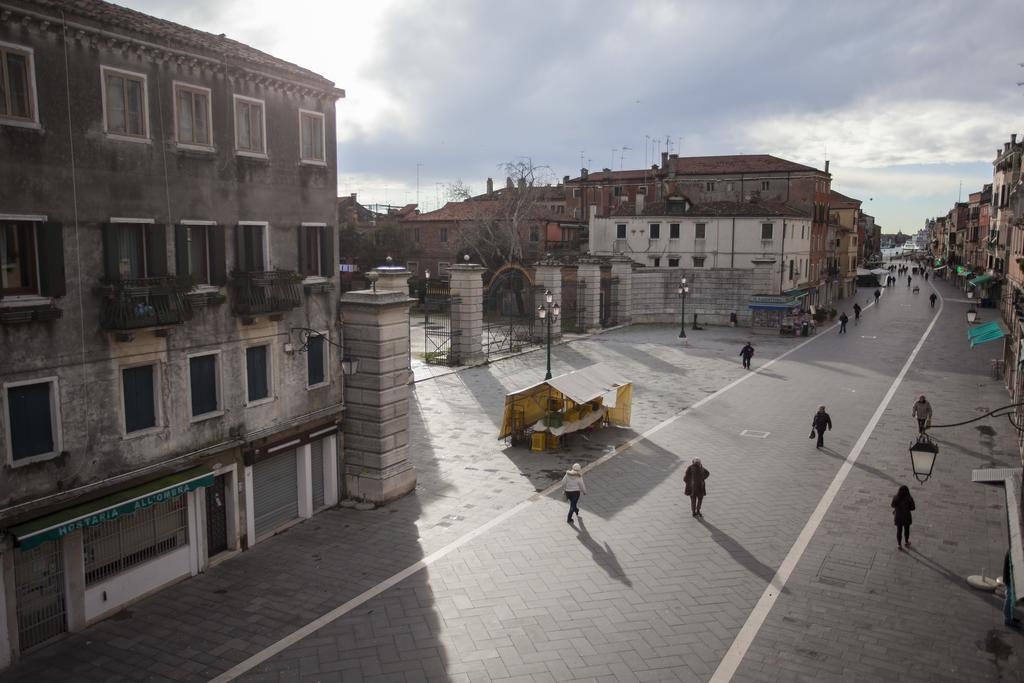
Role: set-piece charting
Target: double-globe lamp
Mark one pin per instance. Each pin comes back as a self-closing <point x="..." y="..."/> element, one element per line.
<point x="549" y="311"/>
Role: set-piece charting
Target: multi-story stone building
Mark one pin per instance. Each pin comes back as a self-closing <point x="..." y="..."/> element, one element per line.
<point x="170" y="384"/>
<point x="844" y="220"/>
<point x="731" y="178"/>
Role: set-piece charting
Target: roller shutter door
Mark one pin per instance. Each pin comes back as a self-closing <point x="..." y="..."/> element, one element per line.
<point x="317" y="457"/>
<point x="275" y="492"/>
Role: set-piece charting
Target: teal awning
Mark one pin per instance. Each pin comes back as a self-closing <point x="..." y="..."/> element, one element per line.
<point x="981" y="280"/>
<point x="96" y="512"/>
<point x="985" y="332"/>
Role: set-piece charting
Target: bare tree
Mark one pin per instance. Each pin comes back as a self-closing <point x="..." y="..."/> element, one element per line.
<point x="496" y="235"/>
<point x="457" y="191"/>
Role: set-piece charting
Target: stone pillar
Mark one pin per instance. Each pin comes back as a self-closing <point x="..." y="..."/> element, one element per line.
<point x="467" y="290"/>
<point x="375" y="330"/>
<point x="588" y="279"/>
<point x="548" y="278"/>
<point x="392" y="279"/>
<point x="622" y="291"/>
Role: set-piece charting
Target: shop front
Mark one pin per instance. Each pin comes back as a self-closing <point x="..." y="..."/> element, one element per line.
<point x="80" y="564"/>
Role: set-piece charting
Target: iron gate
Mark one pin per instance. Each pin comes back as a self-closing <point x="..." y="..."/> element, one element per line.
<point x="609" y="301"/>
<point x="437" y="323"/>
<point x="573" y="296"/>
<point x="508" y="313"/>
<point x="216" y="517"/>
<point x="39" y="583"/>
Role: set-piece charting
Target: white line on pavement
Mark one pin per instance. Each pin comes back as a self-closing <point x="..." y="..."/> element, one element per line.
<point x="339" y="611"/>
<point x="738" y="650"/>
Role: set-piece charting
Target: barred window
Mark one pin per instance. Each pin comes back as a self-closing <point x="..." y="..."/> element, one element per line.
<point x="127" y="541"/>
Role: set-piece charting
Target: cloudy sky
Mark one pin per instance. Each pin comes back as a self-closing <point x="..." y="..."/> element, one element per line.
<point x="908" y="100"/>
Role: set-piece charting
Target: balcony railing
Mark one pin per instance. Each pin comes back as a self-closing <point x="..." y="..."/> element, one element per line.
<point x="132" y="303"/>
<point x="274" y="291"/>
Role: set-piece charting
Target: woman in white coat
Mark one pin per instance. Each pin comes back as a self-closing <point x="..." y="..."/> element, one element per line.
<point x="573" y="486"/>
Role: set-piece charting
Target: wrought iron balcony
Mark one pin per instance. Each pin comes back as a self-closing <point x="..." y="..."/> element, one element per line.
<point x="274" y="291"/>
<point x="133" y="303"/>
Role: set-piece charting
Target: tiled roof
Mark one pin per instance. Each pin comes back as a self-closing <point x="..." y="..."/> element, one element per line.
<point x="171" y="35"/>
<point x="612" y="176"/>
<point x="841" y="201"/>
<point x="735" y="163"/>
<point x="476" y="210"/>
<point x="714" y="209"/>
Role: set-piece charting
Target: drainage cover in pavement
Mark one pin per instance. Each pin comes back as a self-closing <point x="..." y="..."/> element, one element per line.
<point x="845" y="564"/>
<point x="754" y="434"/>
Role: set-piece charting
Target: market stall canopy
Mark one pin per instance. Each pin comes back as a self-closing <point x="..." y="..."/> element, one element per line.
<point x="595" y="383"/>
<point x="981" y="280"/>
<point x="986" y="332"/>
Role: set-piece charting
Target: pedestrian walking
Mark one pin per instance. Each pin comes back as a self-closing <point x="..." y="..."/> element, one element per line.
<point x="843" y="319"/>
<point x="1011" y="594"/>
<point x="878" y="293"/>
<point x="573" y="486"/>
<point x="694" y="478"/>
<point x="902" y="506"/>
<point x="819" y="423"/>
<point x="932" y="298"/>
<point x="746" y="353"/>
<point x="909" y="279"/>
<point x="926" y="276"/>
<point x="922" y="410"/>
<point x="856" y="313"/>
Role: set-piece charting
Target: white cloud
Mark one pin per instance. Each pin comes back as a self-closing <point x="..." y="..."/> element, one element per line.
<point x="874" y="133"/>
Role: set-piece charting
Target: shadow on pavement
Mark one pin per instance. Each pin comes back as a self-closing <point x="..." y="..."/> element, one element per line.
<point x="861" y="466"/>
<point x="739" y="553"/>
<point x="604" y="556"/>
<point x="960" y="582"/>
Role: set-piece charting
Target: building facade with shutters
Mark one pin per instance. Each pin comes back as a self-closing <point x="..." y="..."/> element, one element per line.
<point x="170" y="385"/>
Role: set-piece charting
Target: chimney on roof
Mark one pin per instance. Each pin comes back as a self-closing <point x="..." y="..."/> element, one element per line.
<point x="508" y="183"/>
<point x="583" y="174"/>
<point x="826" y="166"/>
<point x="565" y="180"/>
<point x="1013" y="138"/>
<point x="654" y="167"/>
<point x="664" y="159"/>
<point x="607" y="170"/>
<point x="522" y="183"/>
<point x="353" y="196"/>
<point x="1006" y="147"/>
<point x="673" y="156"/>
<point x="490" y="186"/>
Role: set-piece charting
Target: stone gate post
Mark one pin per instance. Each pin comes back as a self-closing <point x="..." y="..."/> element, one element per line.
<point x="467" y="290"/>
<point x="622" y="291"/>
<point x="548" y="278"/>
<point x="375" y="331"/>
<point x="588" y="274"/>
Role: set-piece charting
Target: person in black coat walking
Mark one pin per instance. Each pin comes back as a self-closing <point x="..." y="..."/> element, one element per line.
<point x="902" y="506"/>
<point x="843" y="319"/>
<point x="819" y="424"/>
<point x="746" y="353"/>
<point x="695" y="488"/>
<point x="856" y="312"/>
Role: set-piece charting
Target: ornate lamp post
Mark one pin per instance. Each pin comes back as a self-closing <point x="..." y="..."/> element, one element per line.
<point x="549" y="311"/>
<point x="682" y="291"/>
<point x="426" y="300"/>
<point x="922" y="457"/>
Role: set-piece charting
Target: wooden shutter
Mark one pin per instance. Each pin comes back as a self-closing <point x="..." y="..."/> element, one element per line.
<point x="50" y="240"/>
<point x="240" y="248"/>
<point x="303" y="266"/>
<point x="218" y="262"/>
<point x="156" y="250"/>
<point x="328" y="263"/>
<point x="111" y="257"/>
<point x="181" y="250"/>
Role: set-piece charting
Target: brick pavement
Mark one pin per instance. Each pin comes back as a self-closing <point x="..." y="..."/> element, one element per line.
<point x="641" y="591"/>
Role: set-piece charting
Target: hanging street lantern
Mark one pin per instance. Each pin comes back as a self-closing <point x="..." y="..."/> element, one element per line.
<point x="922" y="457"/>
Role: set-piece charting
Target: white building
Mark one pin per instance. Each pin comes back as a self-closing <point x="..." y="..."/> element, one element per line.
<point x="678" y="234"/>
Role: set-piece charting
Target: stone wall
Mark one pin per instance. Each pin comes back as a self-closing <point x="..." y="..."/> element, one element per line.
<point x="714" y="294"/>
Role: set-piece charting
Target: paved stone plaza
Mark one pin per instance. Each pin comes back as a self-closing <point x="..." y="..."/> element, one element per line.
<point x="639" y="590"/>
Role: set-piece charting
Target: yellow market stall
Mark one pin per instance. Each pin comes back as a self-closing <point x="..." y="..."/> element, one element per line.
<point x="541" y="414"/>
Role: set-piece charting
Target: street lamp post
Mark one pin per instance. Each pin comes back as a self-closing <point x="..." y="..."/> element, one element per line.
<point x="426" y="300"/>
<point x="922" y="457"/>
<point x="549" y="311"/>
<point x="682" y="291"/>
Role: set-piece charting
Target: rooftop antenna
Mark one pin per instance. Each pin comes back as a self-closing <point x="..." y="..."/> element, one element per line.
<point x="614" y="150"/>
<point x="582" y="153"/>
<point x="623" y="154"/>
<point x="418" y="166"/>
<point x="960" y="192"/>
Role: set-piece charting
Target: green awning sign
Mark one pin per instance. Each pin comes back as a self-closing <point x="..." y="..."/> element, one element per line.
<point x="106" y="509"/>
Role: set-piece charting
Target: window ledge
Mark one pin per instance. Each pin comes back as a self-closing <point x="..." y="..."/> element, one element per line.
<point x="16" y="123"/>
<point x="206" y="416"/>
<point x="252" y="155"/>
<point x="311" y="387"/>
<point x="206" y="295"/>
<point x="312" y="162"/>
<point x="186" y="147"/>
<point x="261" y="402"/>
<point x="317" y="283"/>
<point x="42" y="457"/>
<point x="21" y="301"/>
<point x="148" y="431"/>
<point x="15" y="310"/>
<point x="129" y="138"/>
